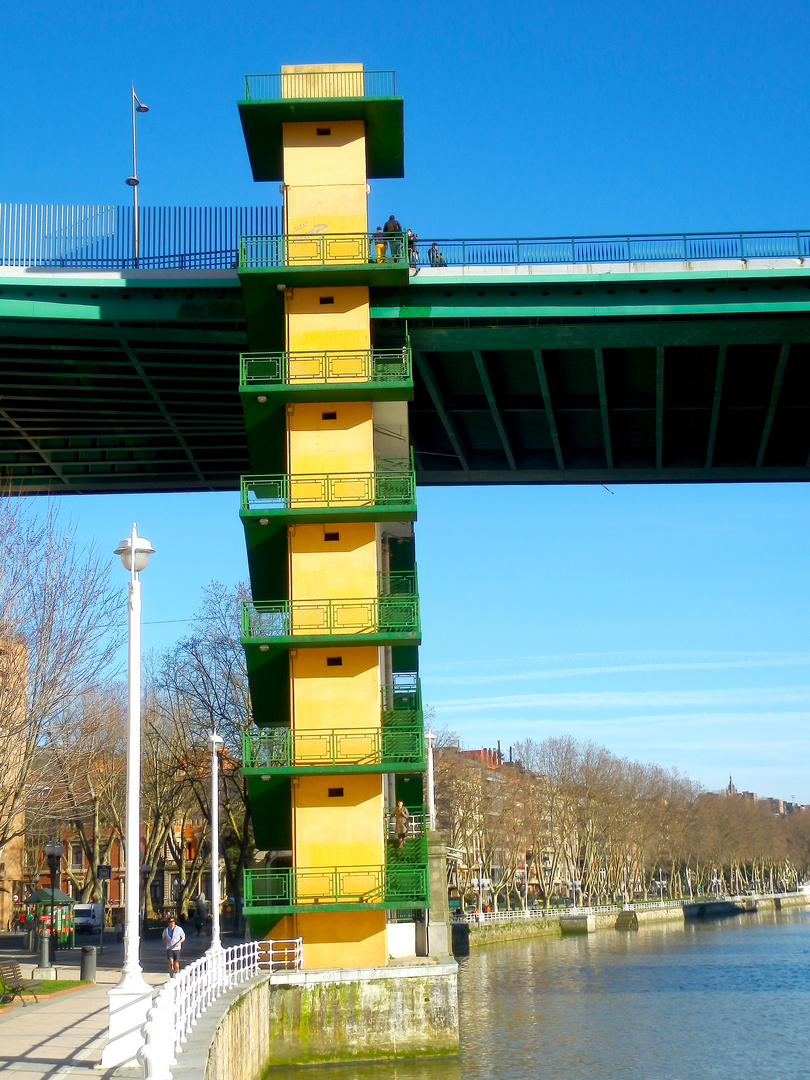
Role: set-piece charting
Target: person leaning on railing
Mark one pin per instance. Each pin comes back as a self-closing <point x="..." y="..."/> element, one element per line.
<point x="380" y="244"/>
<point x="393" y="226"/>
<point x="413" y="252"/>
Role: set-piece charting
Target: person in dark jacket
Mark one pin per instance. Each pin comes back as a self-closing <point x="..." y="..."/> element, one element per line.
<point x="413" y="251"/>
<point x="393" y="226"/>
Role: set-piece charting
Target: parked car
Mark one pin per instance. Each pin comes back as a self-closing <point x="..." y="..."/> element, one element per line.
<point x="88" y="917"/>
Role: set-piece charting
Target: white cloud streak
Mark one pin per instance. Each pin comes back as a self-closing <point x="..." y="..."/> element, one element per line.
<point x="634" y="699"/>
<point x="604" y="664"/>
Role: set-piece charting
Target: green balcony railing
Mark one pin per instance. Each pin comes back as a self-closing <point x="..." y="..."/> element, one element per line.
<point x="301" y="85"/>
<point x="393" y="483"/>
<point x="335" y="366"/>
<point x="286" y="890"/>
<point x="401" y="700"/>
<point x="322" y="249"/>
<point x="280" y="748"/>
<point x="394" y="616"/>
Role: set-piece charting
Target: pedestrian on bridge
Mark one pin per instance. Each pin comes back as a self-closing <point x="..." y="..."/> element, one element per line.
<point x="173" y="938"/>
<point x="393" y="226"/>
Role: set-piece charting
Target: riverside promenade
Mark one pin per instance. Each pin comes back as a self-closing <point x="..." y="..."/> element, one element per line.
<point x="65" y="1035"/>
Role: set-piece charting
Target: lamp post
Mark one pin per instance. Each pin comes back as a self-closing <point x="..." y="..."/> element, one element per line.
<point x="132" y="996"/>
<point x="528" y="860"/>
<point x="430" y="739"/>
<point x="216" y="743"/>
<point x="53" y="854"/>
<point x="133" y="181"/>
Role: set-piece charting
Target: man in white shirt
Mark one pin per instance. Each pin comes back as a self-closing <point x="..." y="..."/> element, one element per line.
<point x="173" y="938"/>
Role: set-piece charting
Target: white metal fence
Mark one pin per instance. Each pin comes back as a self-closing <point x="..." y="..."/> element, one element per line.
<point x="539" y="913"/>
<point x="181" y="1001"/>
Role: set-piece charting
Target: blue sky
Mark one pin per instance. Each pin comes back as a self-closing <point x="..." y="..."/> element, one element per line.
<point x="669" y="623"/>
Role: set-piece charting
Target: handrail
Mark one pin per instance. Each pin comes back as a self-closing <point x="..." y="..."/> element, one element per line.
<point x="281" y="747"/>
<point x="290" y="250"/>
<point x="181" y="1001"/>
<point x="395" y="613"/>
<point x="292" y="887"/>
<point x="301" y="85"/>
<point x="630" y="248"/>
<point x="324" y="366"/>
<point x="392" y="483"/>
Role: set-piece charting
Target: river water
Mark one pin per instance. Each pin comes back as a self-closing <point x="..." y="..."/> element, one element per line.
<point x="726" y="999"/>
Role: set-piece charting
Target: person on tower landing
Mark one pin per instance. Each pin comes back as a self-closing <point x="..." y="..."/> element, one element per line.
<point x="393" y="226"/>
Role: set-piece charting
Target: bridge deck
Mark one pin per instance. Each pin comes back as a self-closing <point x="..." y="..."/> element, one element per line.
<point x="127" y="380"/>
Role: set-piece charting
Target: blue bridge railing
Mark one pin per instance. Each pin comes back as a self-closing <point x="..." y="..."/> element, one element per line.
<point x="102" y="237"/>
<point x="662" y="247"/>
<point x="208" y="238"/>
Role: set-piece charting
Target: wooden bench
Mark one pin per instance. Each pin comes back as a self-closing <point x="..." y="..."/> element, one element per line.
<point x="13" y="983"/>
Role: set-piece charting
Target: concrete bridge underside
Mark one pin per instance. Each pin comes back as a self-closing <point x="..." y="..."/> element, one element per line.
<point x="129" y="381"/>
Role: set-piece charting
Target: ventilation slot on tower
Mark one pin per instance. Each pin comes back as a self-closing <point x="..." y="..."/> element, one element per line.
<point x="331" y="536"/>
<point x="323" y="131"/>
<point x="329" y="416"/>
<point x="335" y="792"/>
<point x="334" y="661"/>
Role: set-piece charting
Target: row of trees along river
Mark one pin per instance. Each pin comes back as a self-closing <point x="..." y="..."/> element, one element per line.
<point x="63" y="617"/>
<point x="619" y="828"/>
<point x="612" y="824"/>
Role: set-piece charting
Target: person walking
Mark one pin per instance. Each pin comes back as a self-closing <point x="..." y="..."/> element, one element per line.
<point x="173" y="938"/>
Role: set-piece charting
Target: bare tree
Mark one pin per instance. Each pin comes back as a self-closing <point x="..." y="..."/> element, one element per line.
<point x="60" y="626"/>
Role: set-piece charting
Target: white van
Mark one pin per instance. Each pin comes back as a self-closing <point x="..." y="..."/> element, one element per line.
<point x="88" y="917"/>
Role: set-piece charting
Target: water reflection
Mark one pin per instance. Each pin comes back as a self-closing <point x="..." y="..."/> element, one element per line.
<point x="670" y="1002"/>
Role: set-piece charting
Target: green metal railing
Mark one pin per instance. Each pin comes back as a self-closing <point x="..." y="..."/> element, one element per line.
<point x="393" y="483"/>
<point x="272" y="369"/>
<point x="279" y="747"/>
<point x="401" y="700"/>
<point x="300" y="85"/>
<point x="336" y="885"/>
<point x="395" y="615"/>
<point x="322" y="249"/>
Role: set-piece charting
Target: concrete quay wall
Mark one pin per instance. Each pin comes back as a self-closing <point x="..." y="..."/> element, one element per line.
<point x="315" y="1017"/>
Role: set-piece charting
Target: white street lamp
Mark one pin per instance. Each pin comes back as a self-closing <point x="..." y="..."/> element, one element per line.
<point x="216" y="743"/>
<point x="430" y="739"/>
<point x="131" y="997"/>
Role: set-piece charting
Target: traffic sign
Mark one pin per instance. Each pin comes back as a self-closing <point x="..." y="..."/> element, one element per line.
<point x="103" y="873"/>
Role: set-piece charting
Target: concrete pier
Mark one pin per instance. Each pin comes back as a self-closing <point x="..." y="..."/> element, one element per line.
<point x="316" y="1017"/>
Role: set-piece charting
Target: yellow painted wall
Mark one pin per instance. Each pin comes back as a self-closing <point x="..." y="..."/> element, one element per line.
<point x="325" y="178"/>
<point x="345" y="444"/>
<point x="322" y="80"/>
<point x="344" y="831"/>
<point x="337" y="569"/>
<point x="336" y="697"/>
<point x="336" y="939"/>
<point x="344" y="939"/>
<point x="313" y="325"/>
<point x="325" y="192"/>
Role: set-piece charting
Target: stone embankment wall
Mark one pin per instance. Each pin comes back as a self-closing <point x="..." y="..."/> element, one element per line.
<point x="488" y="933"/>
<point x="311" y="1018"/>
<point x="512" y="931"/>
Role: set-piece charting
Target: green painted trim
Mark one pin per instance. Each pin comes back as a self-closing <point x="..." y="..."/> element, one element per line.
<point x="262" y="126"/>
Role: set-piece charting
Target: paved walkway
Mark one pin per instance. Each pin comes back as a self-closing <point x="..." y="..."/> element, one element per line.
<point x="65" y="1035"/>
